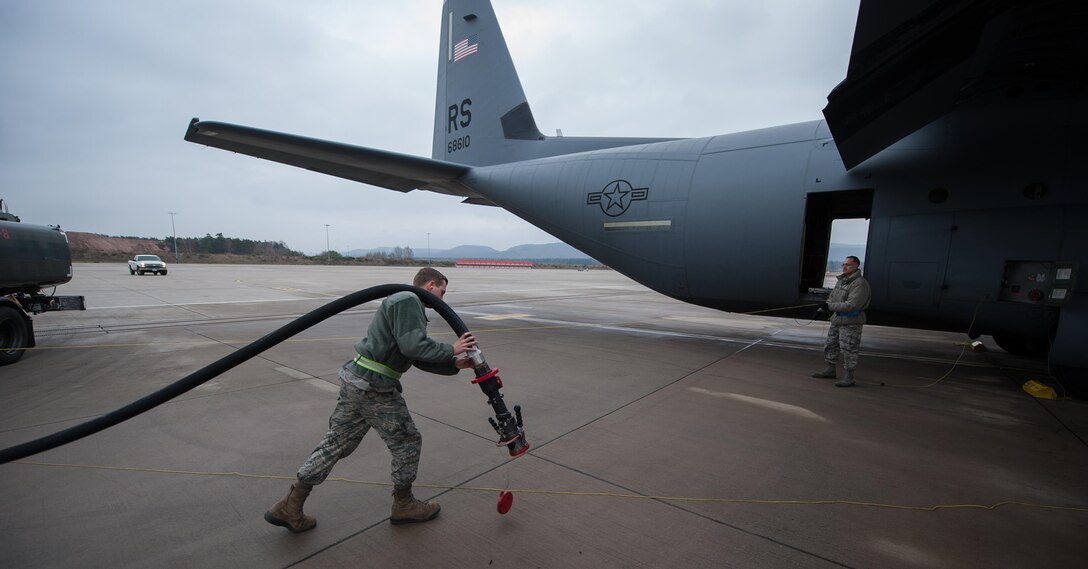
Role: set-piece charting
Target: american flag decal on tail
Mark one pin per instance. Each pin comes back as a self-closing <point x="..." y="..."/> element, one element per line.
<point x="465" y="48"/>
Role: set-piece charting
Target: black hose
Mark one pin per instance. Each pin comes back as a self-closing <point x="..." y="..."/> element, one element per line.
<point x="215" y="368"/>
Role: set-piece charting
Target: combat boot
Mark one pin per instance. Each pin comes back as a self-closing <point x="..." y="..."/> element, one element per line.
<point x="827" y="373"/>
<point x="847" y="381"/>
<point x="288" y="511"/>
<point x="408" y="510"/>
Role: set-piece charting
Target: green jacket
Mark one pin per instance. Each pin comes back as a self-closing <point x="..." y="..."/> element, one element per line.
<point x="395" y="341"/>
<point x="849" y="299"/>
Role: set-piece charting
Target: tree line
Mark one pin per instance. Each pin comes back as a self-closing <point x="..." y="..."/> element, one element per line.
<point x="227" y="245"/>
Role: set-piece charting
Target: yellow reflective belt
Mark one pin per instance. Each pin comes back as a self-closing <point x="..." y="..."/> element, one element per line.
<point x="376" y="367"/>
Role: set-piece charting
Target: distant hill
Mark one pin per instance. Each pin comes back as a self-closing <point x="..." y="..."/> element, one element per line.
<point x="92" y="247"/>
<point x="98" y="248"/>
<point x="535" y="252"/>
<point x="839" y="251"/>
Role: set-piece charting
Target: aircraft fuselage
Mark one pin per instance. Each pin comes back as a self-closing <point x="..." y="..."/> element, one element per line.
<point x="728" y="221"/>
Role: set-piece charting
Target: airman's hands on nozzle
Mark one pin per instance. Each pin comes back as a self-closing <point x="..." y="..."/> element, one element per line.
<point x="464" y="344"/>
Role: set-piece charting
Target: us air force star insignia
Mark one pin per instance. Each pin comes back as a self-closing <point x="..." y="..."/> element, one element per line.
<point x="616" y="197"/>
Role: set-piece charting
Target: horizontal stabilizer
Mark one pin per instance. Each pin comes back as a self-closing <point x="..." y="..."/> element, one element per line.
<point x="400" y="172"/>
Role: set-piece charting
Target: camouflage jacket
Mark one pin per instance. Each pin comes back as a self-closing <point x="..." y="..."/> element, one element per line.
<point x="395" y="341"/>
<point x="849" y="299"/>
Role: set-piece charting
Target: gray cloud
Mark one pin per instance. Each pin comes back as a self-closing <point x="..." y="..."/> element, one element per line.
<point x="96" y="97"/>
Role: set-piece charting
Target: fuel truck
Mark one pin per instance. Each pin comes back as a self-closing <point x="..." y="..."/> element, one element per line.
<point x="32" y="258"/>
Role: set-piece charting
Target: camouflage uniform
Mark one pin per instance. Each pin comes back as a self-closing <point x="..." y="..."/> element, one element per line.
<point x="848" y="301"/>
<point x="843" y="339"/>
<point x="370" y="391"/>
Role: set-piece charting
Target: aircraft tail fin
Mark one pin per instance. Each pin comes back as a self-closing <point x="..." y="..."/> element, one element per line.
<point x="481" y="113"/>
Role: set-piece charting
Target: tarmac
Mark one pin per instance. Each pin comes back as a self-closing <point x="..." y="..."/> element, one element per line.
<point x="662" y="435"/>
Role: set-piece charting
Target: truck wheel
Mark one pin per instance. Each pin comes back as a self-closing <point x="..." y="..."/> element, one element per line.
<point x="163" y="273"/>
<point x="14" y="335"/>
<point x="131" y="272"/>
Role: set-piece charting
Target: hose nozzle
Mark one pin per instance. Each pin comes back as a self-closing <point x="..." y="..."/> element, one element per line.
<point x="510" y="428"/>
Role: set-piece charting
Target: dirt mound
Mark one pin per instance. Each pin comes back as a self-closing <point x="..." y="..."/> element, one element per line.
<point x="95" y="248"/>
<point x="95" y="243"/>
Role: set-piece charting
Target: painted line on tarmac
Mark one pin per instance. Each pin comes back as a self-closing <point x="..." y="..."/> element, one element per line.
<point x="765" y="403"/>
<point x="765" y="342"/>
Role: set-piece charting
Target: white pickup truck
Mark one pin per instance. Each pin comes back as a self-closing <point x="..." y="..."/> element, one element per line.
<point x="141" y="264"/>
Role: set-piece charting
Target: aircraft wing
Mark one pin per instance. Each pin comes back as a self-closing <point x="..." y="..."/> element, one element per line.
<point x="914" y="61"/>
<point x="400" y="172"/>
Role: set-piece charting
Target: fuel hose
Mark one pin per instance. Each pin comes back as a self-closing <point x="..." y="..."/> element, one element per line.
<point x="224" y="364"/>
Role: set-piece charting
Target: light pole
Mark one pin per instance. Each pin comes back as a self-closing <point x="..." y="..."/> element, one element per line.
<point x="428" y="247"/>
<point x="175" y="233"/>
<point x="327" y="252"/>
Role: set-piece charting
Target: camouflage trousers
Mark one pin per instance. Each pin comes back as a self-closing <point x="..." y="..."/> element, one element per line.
<point x="844" y="340"/>
<point x="355" y="413"/>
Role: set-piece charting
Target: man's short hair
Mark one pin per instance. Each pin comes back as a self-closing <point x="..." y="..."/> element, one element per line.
<point x="857" y="261"/>
<point x="428" y="274"/>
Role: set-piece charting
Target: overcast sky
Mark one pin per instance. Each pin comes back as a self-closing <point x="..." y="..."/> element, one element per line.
<point x="96" y="97"/>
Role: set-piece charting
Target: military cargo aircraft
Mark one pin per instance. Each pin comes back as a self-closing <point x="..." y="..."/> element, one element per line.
<point x="958" y="132"/>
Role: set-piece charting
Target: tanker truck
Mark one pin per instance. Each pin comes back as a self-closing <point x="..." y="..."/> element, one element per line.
<point x="32" y="257"/>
